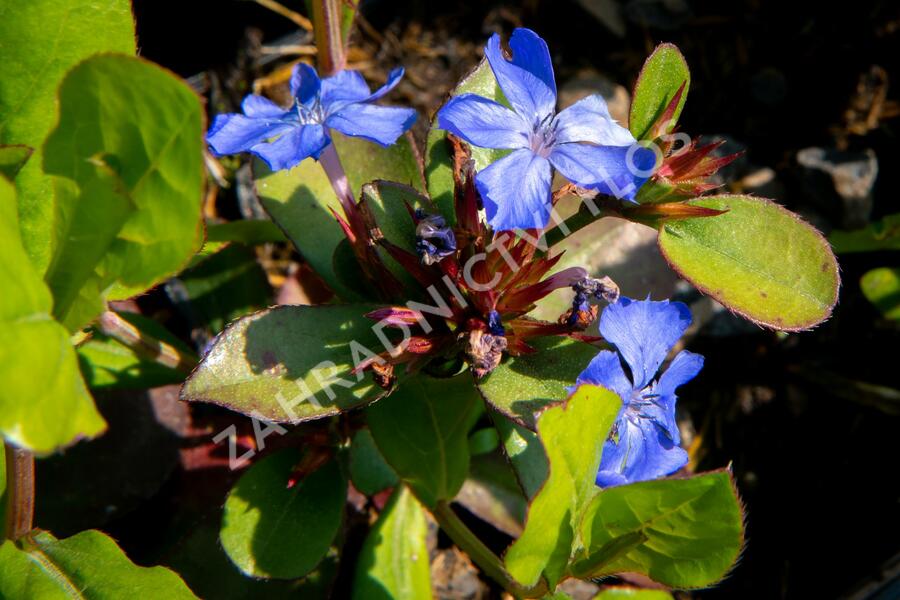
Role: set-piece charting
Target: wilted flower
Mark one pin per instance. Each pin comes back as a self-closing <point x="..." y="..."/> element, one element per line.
<point x="342" y="102"/>
<point x="583" y="142"/>
<point x="644" y="442"/>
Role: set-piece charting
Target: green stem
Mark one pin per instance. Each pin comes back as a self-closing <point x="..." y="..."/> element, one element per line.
<point x="489" y="562"/>
<point x="329" y="41"/>
<point x="19" y="492"/>
<point x="602" y="207"/>
<point x="145" y="346"/>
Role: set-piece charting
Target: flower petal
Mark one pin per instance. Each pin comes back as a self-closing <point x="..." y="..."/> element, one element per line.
<point x="232" y="133"/>
<point x="483" y="122"/>
<point x="613" y="170"/>
<point x="641" y="453"/>
<point x="258" y="107"/>
<point x="393" y="79"/>
<point x="341" y="88"/>
<point x="588" y="120"/>
<point x="292" y="147"/>
<point x="606" y="369"/>
<point x="380" y="124"/>
<point x="643" y="332"/>
<point x="682" y="369"/>
<point x="516" y="191"/>
<point x="305" y="83"/>
<point x="527" y="80"/>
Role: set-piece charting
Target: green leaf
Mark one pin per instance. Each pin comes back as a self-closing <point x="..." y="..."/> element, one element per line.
<point x="882" y="288"/>
<point x="693" y="528"/>
<point x="573" y="436"/>
<point x="393" y="562"/>
<point x="369" y="471"/>
<point x="289" y="363"/>
<point x="12" y="159"/>
<point x="526" y="455"/>
<point x="758" y="259"/>
<point x="492" y="493"/>
<point x="144" y="128"/>
<point x="663" y="73"/>
<point x="270" y="530"/>
<point x="225" y="286"/>
<point x="881" y="235"/>
<point x="523" y="385"/>
<point x="299" y="199"/>
<point x="88" y="565"/>
<point x="42" y="40"/>
<point x="388" y="203"/>
<point x="483" y="441"/>
<point x="37" y="363"/>
<point x="249" y="232"/>
<point x="626" y="593"/>
<point x="422" y="431"/>
<point x="438" y="162"/>
<point x="108" y="363"/>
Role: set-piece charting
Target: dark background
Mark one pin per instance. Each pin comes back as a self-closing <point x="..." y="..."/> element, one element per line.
<point x="815" y="458"/>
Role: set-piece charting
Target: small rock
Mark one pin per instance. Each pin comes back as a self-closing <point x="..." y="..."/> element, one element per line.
<point x="852" y="177"/>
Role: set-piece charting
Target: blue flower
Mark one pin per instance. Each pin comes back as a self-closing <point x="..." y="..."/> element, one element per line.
<point x="644" y="443"/>
<point x="283" y="138"/>
<point x="582" y="142"/>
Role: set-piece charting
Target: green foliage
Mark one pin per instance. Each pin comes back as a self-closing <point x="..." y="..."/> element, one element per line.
<point x="108" y="363"/>
<point x="393" y="562"/>
<point x="128" y="155"/>
<point x="882" y="288"/>
<point x="523" y="385"/>
<point x="38" y="366"/>
<point x="438" y="163"/>
<point x="572" y="435"/>
<point x="248" y="232"/>
<point x="526" y="455"/>
<point x="758" y="259"/>
<point x="880" y="235"/>
<point x="12" y="159"/>
<point x="623" y="593"/>
<point x="388" y="204"/>
<point x="422" y="431"/>
<point x="227" y="285"/>
<point x="271" y="530"/>
<point x="663" y="73"/>
<point x="690" y="530"/>
<point x="42" y="40"/>
<point x="86" y="566"/>
<point x="300" y="200"/>
<point x="369" y="471"/>
<point x="289" y="363"/>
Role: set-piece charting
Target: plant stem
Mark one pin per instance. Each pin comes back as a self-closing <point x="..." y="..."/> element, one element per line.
<point x="329" y="41"/>
<point x="145" y="346"/>
<point x="331" y="164"/>
<point x="489" y="562"/>
<point x="19" y="492"/>
<point x="602" y="207"/>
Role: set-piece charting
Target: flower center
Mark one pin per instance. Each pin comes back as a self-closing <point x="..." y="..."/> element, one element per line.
<point x="543" y="136"/>
<point x="641" y="401"/>
<point x="312" y="114"/>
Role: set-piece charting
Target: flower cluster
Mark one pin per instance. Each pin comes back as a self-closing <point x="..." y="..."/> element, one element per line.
<point x="482" y="287"/>
<point x="644" y="443"/>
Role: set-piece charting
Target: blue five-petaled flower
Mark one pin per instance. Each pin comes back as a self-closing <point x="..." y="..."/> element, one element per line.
<point x="583" y="142"/>
<point x="343" y="102"/>
<point x="644" y="442"/>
